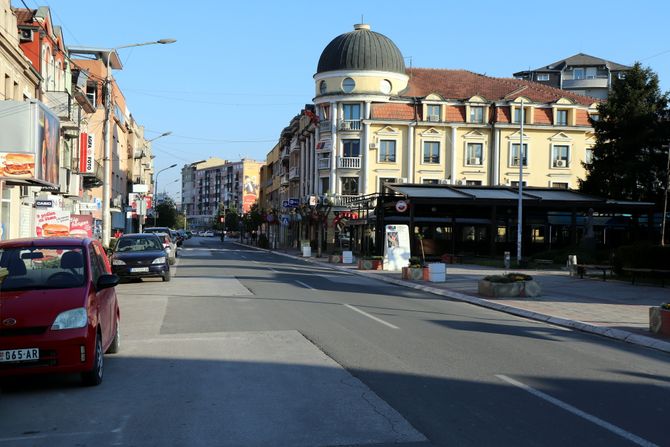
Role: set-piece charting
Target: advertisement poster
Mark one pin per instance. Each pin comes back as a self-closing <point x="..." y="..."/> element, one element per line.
<point x="396" y="247"/>
<point x="49" y="128"/>
<point x="81" y="226"/>
<point x="52" y="223"/>
<point x="250" y="192"/>
<point x="17" y="165"/>
<point x="86" y="153"/>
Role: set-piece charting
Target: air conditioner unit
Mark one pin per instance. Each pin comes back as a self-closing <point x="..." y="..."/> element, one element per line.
<point x="445" y="181"/>
<point x="475" y="161"/>
<point x="345" y="125"/>
<point x="559" y="163"/>
<point x="401" y="180"/>
<point x="433" y="118"/>
<point x="373" y="146"/>
<point x="26" y="35"/>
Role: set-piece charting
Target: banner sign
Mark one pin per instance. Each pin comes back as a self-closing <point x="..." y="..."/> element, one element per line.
<point x="86" y="153"/>
<point x="396" y="247"/>
<point x="52" y="223"/>
<point x="81" y="226"/>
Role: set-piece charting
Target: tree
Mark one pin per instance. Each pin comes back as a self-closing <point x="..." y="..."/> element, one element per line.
<point x="629" y="156"/>
<point x="167" y="213"/>
<point x="232" y="220"/>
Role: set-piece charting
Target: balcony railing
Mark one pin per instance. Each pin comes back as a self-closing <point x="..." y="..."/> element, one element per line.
<point x="294" y="173"/>
<point x="295" y="145"/>
<point x="284" y="179"/>
<point x="349" y="162"/>
<point x="349" y="125"/>
<point x="343" y="200"/>
<point x="324" y="163"/>
<point x="599" y="82"/>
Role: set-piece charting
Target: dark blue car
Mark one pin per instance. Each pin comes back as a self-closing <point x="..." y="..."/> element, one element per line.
<point x="140" y="256"/>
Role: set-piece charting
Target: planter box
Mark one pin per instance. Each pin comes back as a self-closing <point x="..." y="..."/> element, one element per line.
<point x="335" y="259"/>
<point x="659" y="320"/>
<point x="518" y="288"/>
<point x="435" y="272"/>
<point x="412" y="273"/>
<point x="370" y="264"/>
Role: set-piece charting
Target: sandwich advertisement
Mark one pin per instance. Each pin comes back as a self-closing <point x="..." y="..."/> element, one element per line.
<point x="31" y="149"/>
<point x="17" y="165"/>
<point x="52" y="223"/>
<point x="81" y="226"/>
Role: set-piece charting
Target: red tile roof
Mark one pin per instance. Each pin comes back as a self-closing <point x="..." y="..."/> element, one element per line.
<point x="392" y="111"/>
<point x="542" y="116"/>
<point x="24" y="16"/>
<point x="463" y="84"/>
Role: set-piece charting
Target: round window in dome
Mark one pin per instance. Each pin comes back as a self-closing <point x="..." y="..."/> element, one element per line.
<point x="385" y="86"/>
<point x="322" y="87"/>
<point x="348" y="85"/>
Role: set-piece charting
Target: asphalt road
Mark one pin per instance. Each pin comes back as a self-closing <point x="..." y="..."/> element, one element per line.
<point x="250" y="348"/>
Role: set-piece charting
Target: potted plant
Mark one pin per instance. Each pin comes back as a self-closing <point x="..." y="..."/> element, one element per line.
<point x="414" y="270"/>
<point x="509" y="285"/>
<point x="335" y="257"/>
<point x="659" y="319"/>
<point x="371" y="263"/>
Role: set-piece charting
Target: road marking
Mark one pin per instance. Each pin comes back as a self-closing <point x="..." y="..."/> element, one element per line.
<point x="270" y="268"/>
<point x="606" y="425"/>
<point x="305" y="285"/>
<point x="378" y="320"/>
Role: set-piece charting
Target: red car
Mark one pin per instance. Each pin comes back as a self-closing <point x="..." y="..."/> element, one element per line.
<point x="58" y="307"/>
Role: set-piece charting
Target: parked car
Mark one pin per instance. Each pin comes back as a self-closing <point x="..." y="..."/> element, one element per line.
<point x="58" y="307"/>
<point x="169" y="246"/>
<point x="176" y="237"/>
<point x="140" y="256"/>
<point x="172" y="244"/>
<point x="208" y="233"/>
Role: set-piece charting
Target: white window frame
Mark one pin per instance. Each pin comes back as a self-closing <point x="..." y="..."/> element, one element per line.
<point x="554" y="156"/>
<point x="578" y="70"/>
<point x="516" y="115"/>
<point x="358" y="185"/>
<point x="567" y="117"/>
<point x="423" y="153"/>
<point x="588" y="155"/>
<point x="526" y="151"/>
<point x="345" y="85"/>
<point x="478" y="119"/>
<point x="551" y="184"/>
<point x="469" y="157"/>
<point x="432" y="107"/>
<point x="395" y="151"/>
<point x="543" y="76"/>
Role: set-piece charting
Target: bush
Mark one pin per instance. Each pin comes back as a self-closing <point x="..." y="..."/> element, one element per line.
<point x="415" y="261"/>
<point x="508" y="278"/>
<point x="641" y="256"/>
<point x="263" y="241"/>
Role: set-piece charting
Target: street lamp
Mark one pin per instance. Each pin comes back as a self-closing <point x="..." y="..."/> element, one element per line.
<point x="156" y="190"/>
<point x="107" y="175"/>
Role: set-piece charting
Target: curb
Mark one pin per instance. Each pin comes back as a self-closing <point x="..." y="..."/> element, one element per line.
<point x="616" y="334"/>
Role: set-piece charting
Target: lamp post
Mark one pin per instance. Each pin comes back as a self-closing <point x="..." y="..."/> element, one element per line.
<point x="155" y="201"/>
<point x="665" y="198"/>
<point x="107" y="175"/>
<point x="519" y="226"/>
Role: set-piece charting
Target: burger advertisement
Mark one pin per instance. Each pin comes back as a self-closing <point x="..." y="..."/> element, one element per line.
<point x="81" y="226"/>
<point x="52" y="223"/>
<point x="17" y="165"/>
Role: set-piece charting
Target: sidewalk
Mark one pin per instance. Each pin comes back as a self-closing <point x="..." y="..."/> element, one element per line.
<point x="613" y="309"/>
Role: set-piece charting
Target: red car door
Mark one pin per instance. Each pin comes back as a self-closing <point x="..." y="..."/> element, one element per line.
<point x="104" y="299"/>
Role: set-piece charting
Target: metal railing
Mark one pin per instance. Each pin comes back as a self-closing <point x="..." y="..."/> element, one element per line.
<point x="325" y="126"/>
<point x="324" y="163"/>
<point x="349" y="125"/>
<point x="293" y="173"/>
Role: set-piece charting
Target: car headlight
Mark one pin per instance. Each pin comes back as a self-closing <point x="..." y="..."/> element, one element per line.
<point x="160" y="260"/>
<point x="118" y="262"/>
<point x="71" y="319"/>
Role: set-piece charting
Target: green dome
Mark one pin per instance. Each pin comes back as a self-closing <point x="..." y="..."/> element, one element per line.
<point x="361" y="49"/>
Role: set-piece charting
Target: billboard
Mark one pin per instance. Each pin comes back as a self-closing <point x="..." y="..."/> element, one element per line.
<point x="81" y="226"/>
<point x="86" y="153"/>
<point x="52" y="223"/>
<point x="31" y="149"/>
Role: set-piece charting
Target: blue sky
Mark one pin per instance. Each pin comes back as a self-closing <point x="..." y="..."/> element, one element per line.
<point x="240" y="71"/>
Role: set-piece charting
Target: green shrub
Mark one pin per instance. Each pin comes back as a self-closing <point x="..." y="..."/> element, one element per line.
<point x="644" y="256"/>
<point x="415" y="261"/>
<point x="263" y="241"/>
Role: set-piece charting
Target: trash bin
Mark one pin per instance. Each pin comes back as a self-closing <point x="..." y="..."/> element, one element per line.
<point x="306" y="249"/>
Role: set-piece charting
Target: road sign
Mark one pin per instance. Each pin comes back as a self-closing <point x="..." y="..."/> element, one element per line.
<point x="284" y="220"/>
<point x="292" y="203"/>
<point x="284" y="204"/>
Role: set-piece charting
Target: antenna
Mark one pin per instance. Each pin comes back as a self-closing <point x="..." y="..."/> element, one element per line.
<point x="362" y="20"/>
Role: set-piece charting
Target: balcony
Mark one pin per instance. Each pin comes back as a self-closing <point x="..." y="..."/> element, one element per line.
<point x="349" y="125"/>
<point x="323" y="163"/>
<point x="91" y="179"/>
<point x="284" y="180"/>
<point x="349" y="162"/>
<point x="284" y="153"/>
<point x="294" y="174"/>
<point x="344" y="200"/>
<point x="62" y="105"/>
<point x="295" y="145"/>
<point x="597" y="82"/>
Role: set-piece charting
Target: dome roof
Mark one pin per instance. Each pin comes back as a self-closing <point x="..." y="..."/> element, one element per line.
<point x="361" y="49"/>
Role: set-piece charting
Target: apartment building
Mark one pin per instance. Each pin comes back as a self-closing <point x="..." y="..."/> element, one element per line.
<point x="581" y="74"/>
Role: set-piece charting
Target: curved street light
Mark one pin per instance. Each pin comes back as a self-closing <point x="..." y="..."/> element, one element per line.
<point x="107" y="155"/>
<point x="155" y="203"/>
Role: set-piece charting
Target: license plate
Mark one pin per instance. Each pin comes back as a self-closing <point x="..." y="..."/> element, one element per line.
<point x="20" y="355"/>
<point x="139" y="269"/>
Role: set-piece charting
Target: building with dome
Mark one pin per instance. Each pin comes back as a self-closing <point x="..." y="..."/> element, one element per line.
<point x="375" y="121"/>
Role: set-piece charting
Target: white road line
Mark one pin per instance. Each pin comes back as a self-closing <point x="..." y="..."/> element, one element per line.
<point x="305" y="285"/>
<point x="606" y="425"/>
<point x="378" y="320"/>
